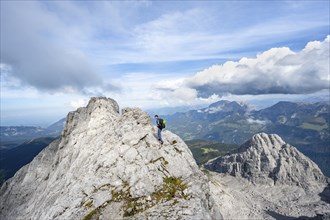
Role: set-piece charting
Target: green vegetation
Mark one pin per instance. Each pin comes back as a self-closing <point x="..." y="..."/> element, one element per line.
<point x="209" y="150"/>
<point x="204" y="150"/>
<point x="303" y="125"/>
<point x="312" y="126"/>
<point x="94" y="214"/>
<point x="172" y="189"/>
<point x="89" y="204"/>
<point x="177" y="150"/>
<point x="231" y="125"/>
<point x="159" y="158"/>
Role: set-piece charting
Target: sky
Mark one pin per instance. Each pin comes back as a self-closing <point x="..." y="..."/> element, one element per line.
<point x="55" y="55"/>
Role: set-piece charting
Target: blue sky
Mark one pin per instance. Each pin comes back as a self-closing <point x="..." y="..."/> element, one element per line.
<point x="152" y="54"/>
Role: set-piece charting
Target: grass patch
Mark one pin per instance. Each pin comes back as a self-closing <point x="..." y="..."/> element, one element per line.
<point x="205" y="171"/>
<point x="231" y="125"/>
<point x="172" y="188"/>
<point x="209" y="150"/>
<point x="177" y="150"/>
<point x="204" y="150"/>
<point x="94" y="214"/>
<point x="316" y="127"/>
<point x="89" y="204"/>
<point x="159" y="158"/>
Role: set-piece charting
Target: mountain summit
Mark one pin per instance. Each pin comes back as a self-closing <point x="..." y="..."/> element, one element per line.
<point x="267" y="159"/>
<point x="109" y="165"/>
<point x="267" y="178"/>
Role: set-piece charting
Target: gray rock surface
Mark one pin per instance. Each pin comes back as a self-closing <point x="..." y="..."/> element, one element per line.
<point x="237" y="198"/>
<point x="267" y="159"/>
<point x="268" y="179"/>
<point x="109" y="165"/>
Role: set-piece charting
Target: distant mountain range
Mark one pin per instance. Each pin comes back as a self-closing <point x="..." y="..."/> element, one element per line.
<point x="301" y="124"/>
<point x="12" y="136"/>
<point x="20" y="144"/>
<point x="305" y="125"/>
<point x="110" y="165"/>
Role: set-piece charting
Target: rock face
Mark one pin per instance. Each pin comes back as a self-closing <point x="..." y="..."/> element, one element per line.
<point x="267" y="159"/>
<point x="268" y="179"/>
<point x="108" y="165"/>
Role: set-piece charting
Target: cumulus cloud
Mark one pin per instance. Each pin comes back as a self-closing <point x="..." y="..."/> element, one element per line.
<point x="256" y="121"/>
<point x="172" y="91"/>
<point x="185" y="94"/>
<point x="78" y="103"/>
<point x="276" y="71"/>
<point x="42" y="51"/>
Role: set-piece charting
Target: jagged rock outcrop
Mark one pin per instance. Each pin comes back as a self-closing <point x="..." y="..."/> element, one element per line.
<point x="108" y="165"/>
<point x="267" y="159"/>
<point x="268" y="179"/>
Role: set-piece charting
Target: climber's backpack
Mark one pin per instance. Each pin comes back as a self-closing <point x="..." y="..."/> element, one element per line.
<point x="162" y="122"/>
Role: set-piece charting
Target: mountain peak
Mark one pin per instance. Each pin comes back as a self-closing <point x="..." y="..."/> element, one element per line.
<point x="225" y="106"/>
<point x="109" y="165"/>
<point x="267" y="159"/>
<point x="224" y="103"/>
<point x="266" y="141"/>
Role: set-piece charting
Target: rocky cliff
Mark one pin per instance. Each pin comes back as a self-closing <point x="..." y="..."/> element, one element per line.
<point x="267" y="178"/>
<point x="109" y="165"/>
<point x="267" y="159"/>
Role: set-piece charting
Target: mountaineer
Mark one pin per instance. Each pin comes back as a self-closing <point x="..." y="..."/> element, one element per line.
<point x="160" y="125"/>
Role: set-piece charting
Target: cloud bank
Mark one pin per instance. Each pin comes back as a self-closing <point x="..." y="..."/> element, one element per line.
<point x="148" y="50"/>
<point x="276" y="71"/>
<point x="44" y="52"/>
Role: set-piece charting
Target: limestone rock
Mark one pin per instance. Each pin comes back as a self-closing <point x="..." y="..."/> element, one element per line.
<point x="237" y="198"/>
<point x="267" y="159"/>
<point x="109" y="165"/>
<point x="268" y="179"/>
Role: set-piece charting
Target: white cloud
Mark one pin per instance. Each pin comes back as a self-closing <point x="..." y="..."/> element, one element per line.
<point x="35" y="44"/>
<point x="256" y="121"/>
<point x="169" y="84"/>
<point x="78" y="103"/>
<point x="207" y="33"/>
<point x="66" y="47"/>
<point x="272" y="75"/>
<point x="276" y="71"/>
<point x="185" y="94"/>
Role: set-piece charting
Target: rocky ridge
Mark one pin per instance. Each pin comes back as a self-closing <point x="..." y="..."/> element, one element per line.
<point x="303" y="125"/>
<point x="109" y="165"/>
<point x="267" y="178"/>
<point x="267" y="159"/>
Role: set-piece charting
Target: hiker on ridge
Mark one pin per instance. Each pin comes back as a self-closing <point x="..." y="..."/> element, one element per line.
<point x="159" y="123"/>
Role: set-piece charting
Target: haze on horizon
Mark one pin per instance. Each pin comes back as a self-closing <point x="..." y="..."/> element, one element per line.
<point x="154" y="54"/>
